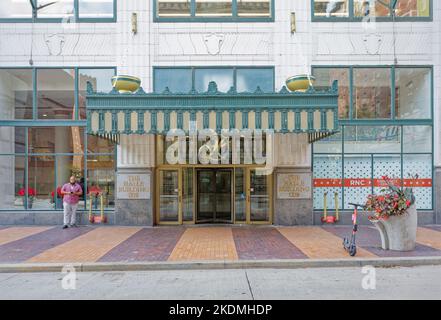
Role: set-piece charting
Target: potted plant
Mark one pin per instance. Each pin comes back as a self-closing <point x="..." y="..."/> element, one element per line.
<point x="395" y="216"/>
<point x="31" y="196"/>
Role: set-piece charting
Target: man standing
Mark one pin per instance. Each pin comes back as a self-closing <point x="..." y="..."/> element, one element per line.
<point x="71" y="195"/>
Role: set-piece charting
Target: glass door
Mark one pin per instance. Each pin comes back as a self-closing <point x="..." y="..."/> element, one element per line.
<point x="259" y="198"/>
<point x="214" y="200"/>
<point x="169" y="207"/>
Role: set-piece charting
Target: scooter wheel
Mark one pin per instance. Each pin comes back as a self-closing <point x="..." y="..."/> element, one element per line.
<point x="352" y="251"/>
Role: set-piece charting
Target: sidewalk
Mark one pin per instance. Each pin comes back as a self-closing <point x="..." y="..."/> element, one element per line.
<point x="225" y="244"/>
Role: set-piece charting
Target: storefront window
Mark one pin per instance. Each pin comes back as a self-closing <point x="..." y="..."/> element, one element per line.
<point x="249" y="79"/>
<point x="372" y="139"/>
<point x="100" y="80"/>
<point x="56" y="93"/>
<point x="95" y="9"/>
<point x="413" y="92"/>
<point x="15" y="94"/>
<point x="259" y="197"/>
<point x="417" y="139"/>
<point x="12" y="140"/>
<point x="56" y="140"/>
<point x="254" y="8"/>
<point x="101" y="178"/>
<point x="12" y="175"/>
<point x="240" y="194"/>
<point x="173" y="8"/>
<point x="326" y="76"/>
<point x="41" y="179"/>
<point x="372" y="93"/>
<point x="370" y="153"/>
<point x="331" y="8"/>
<point x="97" y="144"/>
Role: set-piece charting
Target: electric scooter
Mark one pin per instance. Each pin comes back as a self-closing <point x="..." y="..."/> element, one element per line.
<point x="349" y="244"/>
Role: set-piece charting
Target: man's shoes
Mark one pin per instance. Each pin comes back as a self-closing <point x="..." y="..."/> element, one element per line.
<point x="73" y="225"/>
<point x="65" y="226"/>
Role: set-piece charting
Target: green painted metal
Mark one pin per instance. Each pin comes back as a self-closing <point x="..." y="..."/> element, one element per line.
<point x="213" y="100"/>
<point x="233" y="18"/>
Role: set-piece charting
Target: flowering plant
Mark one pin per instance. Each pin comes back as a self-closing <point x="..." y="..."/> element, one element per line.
<point x="392" y="201"/>
<point x="59" y="195"/>
<point x="31" y="192"/>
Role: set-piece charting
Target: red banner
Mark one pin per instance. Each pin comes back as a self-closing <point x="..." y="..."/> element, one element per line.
<point x="367" y="183"/>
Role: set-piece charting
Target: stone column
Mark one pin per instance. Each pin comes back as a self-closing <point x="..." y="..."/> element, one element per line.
<point x="136" y="158"/>
<point x="292" y="180"/>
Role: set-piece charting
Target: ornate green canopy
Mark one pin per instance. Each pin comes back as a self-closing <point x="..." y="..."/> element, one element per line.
<point x="311" y="112"/>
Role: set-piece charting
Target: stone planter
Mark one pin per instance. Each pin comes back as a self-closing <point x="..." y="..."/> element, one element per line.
<point x="399" y="233"/>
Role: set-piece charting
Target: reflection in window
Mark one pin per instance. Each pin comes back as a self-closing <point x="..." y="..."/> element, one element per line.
<point x="218" y="8"/>
<point x="324" y="79"/>
<point x="364" y="8"/>
<point x="100" y="80"/>
<point x="16" y="94"/>
<point x="12" y="175"/>
<point x="417" y="139"/>
<point x="15" y="9"/>
<point x="97" y="144"/>
<point x="413" y="92"/>
<point x="372" y="93"/>
<point x="41" y="180"/>
<point x="56" y="93"/>
<point x="331" y="8"/>
<point x="59" y="9"/>
<point x="95" y="8"/>
<point x="56" y="139"/>
<point x="253" y="8"/>
<point x="177" y="80"/>
<point x="413" y="8"/>
<point x="173" y="8"/>
<point x="101" y="176"/>
<point x="372" y="139"/>
<point x="249" y="79"/>
<point x="223" y="77"/>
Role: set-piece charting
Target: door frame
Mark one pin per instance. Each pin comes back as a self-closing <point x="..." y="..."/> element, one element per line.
<point x="158" y="196"/>
<point x="232" y="168"/>
<point x="196" y="212"/>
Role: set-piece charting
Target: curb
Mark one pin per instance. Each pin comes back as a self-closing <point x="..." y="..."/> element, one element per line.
<point x="213" y="265"/>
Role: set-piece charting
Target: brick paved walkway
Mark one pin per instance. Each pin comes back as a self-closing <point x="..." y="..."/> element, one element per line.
<point x="126" y="244"/>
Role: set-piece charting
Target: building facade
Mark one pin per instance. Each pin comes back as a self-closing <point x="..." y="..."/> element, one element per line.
<point x="214" y="136"/>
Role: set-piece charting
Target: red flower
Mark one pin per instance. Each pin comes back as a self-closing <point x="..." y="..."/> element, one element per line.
<point x="380" y="198"/>
<point x="31" y="192"/>
<point x="408" y="203"/>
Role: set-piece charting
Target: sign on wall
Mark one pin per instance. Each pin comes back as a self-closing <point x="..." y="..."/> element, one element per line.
<point x="133" y="186"/>
<point x="294" y="186"/>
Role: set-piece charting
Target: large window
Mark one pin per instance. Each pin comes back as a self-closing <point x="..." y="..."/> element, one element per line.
<point x="56" y="96"/>
<point x="371" y="152"/>
<point x="214" y="10"/>
<point x="36" y="161"/>
<point x="356" y="10"/>
<point x="59" y="11"/>
<point x="16" y="94"/>
<point x="389" y="93"/>
<point x="242" y="79"/>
